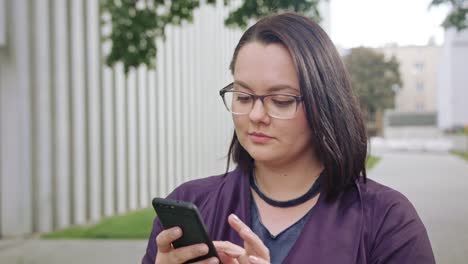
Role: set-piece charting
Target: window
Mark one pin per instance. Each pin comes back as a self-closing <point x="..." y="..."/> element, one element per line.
<point x="418" y="67"/>
<point x="420" y="87"/>
<point x="419" y="107"/>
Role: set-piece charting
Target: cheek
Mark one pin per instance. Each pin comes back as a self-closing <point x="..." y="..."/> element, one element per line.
<point x="239" y="126"/>
<point x="301" y="128"/>
<point x="237" y="122"/>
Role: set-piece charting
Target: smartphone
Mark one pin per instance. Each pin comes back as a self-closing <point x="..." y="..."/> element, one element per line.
<point x="185" y="215"/>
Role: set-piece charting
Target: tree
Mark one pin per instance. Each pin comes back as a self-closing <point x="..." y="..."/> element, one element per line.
<point x="372" y="78"/>
<point x="458" y="16"/>
<point x="137" y="23"/>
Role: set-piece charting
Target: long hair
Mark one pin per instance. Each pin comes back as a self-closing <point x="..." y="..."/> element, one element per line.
<point x="338" y="133"/>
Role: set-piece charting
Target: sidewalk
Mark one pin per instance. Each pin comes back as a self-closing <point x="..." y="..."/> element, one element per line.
<point x="437" y="185"/>
<point x="37" y="251"/>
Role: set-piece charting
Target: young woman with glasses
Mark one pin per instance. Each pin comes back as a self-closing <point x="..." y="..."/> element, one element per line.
<point x="299" y="193"/>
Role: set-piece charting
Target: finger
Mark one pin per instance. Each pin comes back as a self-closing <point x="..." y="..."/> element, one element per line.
<point x="226" y="259"/>
<point x="212" y="260"/>
<point x="184" y="254"/>
<point x="257" y="260"/>
<point x="166" y="237"/>
<point x="236" y="254"/>
<point x="251" y="240"/>
<point x="229" y="248"/>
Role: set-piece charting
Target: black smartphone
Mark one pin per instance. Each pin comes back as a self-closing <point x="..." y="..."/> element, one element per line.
<point x="186" y="216"/>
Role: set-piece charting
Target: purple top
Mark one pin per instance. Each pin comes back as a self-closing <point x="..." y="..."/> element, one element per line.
<point x="369" y="223"/>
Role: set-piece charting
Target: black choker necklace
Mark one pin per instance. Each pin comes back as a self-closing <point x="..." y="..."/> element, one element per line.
<point x="312" y="192"/>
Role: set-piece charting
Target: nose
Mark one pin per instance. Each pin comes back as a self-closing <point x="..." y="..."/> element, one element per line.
<point x="258" y="112"/>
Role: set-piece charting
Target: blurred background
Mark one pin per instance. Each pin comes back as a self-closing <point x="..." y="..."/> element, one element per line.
<point x="107" y="104"/>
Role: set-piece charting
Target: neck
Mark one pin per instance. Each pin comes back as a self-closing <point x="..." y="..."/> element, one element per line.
<point x="288" y="180"/>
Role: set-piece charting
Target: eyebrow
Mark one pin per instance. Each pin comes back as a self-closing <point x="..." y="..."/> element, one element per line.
<point x="275" y="88"/>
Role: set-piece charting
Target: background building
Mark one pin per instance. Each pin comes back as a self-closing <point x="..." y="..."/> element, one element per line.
<point x="415" y="111"/>
<point x="418" y="68"/>
<point x="453" y="81"/>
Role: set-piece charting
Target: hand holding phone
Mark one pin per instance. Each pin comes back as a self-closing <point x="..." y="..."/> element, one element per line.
<point x="185" y="216"/>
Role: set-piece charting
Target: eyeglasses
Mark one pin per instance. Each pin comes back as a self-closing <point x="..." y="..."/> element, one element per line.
<point x="281" y="106"/>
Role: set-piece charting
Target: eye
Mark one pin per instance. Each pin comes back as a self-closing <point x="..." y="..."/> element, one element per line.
<point x="242" y="98"/>
<point x="283" y="101"/>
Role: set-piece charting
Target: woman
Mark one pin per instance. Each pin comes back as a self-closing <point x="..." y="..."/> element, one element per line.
<point x="299" y="193"/>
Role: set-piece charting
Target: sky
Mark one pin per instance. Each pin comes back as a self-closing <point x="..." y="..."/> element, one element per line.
<point x="374" y="23"/>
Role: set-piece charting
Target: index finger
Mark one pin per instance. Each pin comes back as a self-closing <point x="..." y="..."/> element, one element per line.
<point x="252" y="241"/>
<point x="166" y="237"/>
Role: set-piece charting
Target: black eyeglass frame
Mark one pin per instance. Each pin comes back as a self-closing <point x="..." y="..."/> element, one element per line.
<point x="228" y="88"/>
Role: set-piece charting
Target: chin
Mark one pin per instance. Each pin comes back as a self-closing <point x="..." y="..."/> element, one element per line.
<point x="262" y="155"/>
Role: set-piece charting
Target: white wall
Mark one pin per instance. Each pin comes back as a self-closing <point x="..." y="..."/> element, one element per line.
<point x="453" y="80"/>
<point x="78" y="140"/>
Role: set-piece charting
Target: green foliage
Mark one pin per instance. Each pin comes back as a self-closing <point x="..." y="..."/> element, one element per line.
<point x="461" y="154"/>
<point x="371" y="162"/>
<point x="458" y="16"/>
<point x="372" y="77"/>
<point x="135" y="225"/>
<point x="255" y="9"/>
<point x="137" y="23"/>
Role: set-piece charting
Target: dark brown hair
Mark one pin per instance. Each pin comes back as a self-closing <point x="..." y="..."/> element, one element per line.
<point x="333" y="114"/>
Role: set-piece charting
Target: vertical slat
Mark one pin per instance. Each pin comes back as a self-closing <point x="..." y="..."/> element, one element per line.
<point x="142" y="137"/>
<point x="192" y="101"/>
<point x="120" y="136"/>
<point x="189" y="90"/>
<point x="79" y="166"/>
<point x="62" y="125"/>
<point x="205" y="147"/>
<point x="169" y="89"/>
<point x="42" y="113"/>
<point x="153" y="134"/>
<point x="184" y="99"/>
<point x="108" y="138"/>
<point x="94" y="121"/>
<point x="196" y="98"/>
<point x="176" y="102"/>
<point x="132" y="140"/>
<point x="162" y="144"/>
<point x="109" y="128"/>
<point x="15" y="126"/>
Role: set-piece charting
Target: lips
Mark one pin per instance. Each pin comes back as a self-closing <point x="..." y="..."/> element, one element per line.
<point x="259" y="138"/>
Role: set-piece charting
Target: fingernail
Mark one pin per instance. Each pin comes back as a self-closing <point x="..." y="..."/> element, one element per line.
<point x="214" y="261"/>
<point x="253" y="259"/>
<point x="235" y="217"/>
<point x="203" y="249"/>
<point x="176" y="232"/>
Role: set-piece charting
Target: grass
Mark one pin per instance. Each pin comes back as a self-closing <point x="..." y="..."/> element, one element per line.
<point x="462" y="154"/>
<point x="134" y="225"/>
<point x="371" y="162"/>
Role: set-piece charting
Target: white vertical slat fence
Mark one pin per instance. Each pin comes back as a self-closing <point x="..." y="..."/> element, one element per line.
<point x="80" y="141"/>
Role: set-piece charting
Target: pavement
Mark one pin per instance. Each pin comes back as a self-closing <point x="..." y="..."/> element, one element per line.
<point x="38" y="251"/>
<point x="436" y="184"/>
